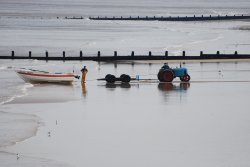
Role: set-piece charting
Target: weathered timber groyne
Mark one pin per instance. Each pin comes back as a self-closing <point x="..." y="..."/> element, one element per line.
<point x="115" y="57"/>
<point x="174" y="18"/>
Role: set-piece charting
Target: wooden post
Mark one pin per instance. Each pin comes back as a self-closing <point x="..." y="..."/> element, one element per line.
<point x="132" y="54"/>
<point x="115" y="53"/>
<point x="12" y="54"/>
<point x="202" y="16"/>
<point x="235" y="53"/>
<point x="166" y="53"/>
<point x="183" y="53"/>
<point x="217" y="54"/>
<point x="194" y="16"/>
<point x="47" y="54"/>
<point x="149" y="53"/>
<point x="201" y="53"/>
<point x="63" y="54"/>
<point x="98" y="54"/>
<point x="80" y="54"/>
<point x="29" y="54"/>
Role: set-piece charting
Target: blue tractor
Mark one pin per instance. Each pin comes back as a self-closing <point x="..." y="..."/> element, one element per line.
<point x="167" y="74"/>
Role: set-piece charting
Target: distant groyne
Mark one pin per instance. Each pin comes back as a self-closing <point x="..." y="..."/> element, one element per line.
<point x="170" y="18"/>
<point x="117" y="57"/>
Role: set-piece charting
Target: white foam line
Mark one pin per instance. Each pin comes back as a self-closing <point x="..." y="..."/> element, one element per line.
<point x="23" y="93"/>
<point x="209" y="40"/>
<point x="3" y="68"/>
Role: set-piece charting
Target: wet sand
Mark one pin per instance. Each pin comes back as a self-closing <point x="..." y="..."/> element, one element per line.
<point x="48" y="93"/>
<point x="202" y="123"/>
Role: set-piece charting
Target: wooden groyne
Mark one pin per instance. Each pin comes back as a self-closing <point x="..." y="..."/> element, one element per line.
<point x="174" y="18"/>
<point x="117" y="57"/>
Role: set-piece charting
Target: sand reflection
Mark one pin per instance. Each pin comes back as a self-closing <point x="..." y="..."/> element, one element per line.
<point x="171" y="86"/>
<point x="84" y="89"/>
<point x="119" y="85"/>
<point x="173" y="92"/>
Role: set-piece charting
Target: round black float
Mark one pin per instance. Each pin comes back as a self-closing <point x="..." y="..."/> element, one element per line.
<point x="110" y="78"/>
<point x="125" y="78"/>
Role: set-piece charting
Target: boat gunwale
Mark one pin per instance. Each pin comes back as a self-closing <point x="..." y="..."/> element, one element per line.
<point x="45" y="75"/>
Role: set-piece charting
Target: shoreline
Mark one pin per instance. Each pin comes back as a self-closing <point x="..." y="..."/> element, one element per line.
<point x="28" y="125"/>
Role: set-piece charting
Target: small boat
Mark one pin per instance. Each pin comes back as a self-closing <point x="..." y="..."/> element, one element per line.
<point x="37" y="76"/>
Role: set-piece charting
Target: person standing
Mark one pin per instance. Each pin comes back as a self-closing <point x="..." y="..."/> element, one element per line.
<point x="84" y="71"/>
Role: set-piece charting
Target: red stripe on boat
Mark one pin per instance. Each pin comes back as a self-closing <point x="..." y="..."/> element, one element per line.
<point x="47" y="75"/>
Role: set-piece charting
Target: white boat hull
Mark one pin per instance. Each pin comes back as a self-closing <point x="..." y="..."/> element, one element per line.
<point x="40" y="77"/>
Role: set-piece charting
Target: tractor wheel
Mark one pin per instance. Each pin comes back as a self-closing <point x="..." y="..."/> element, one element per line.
<point x="125" y="78"/>
<point x="160" y="76"/>
<point x="107" y="76"/>
<point x="110" y="78"/>
<point x="185" y="78"/>
<point x="167" y="76"/>
<point x="122" y="75"/>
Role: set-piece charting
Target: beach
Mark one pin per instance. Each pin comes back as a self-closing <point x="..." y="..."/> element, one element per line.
<point x="144" y="123"/>
<point x="140" y="124"/>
